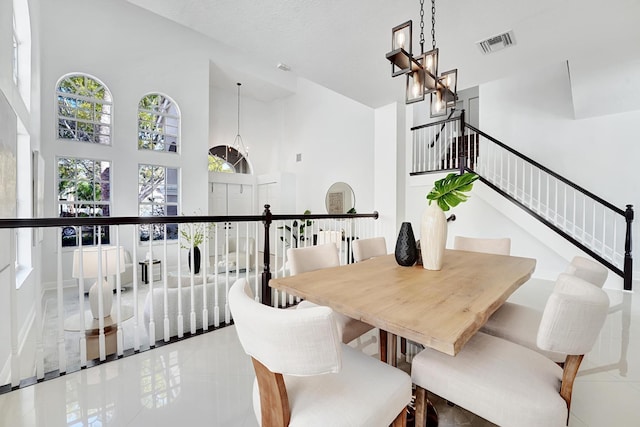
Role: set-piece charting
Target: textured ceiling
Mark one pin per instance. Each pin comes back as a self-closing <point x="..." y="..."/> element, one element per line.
<point x="341" y="44"/>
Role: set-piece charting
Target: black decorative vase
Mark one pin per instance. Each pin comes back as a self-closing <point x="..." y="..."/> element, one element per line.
<point x="406" y="252"/>
<point x="196" y="260"/>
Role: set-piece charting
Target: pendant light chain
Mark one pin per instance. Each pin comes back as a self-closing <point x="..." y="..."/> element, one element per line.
<point x="239" y="84"/>
<point x="422" y="26"/>
<point x="433" y="23"/>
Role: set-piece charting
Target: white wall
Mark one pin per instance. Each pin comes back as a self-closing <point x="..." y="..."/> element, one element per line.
<point x="133" y="59"/>
<point x="259" y="125"/>
<point x="335" y="136"/>
<point x="386" y="169"/>
<point x="533" y="113"/>
<point x="29" y="114"/>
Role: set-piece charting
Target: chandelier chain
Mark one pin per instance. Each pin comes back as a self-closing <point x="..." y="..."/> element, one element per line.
<point x="421" y="26"/>
<point x="238" y="108"/>
<point x="433" y="24"/>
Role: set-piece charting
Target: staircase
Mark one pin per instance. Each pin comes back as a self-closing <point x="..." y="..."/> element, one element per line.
<point x="587" y="221"/>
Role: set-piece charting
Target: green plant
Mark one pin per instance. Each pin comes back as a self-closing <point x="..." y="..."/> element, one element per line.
<point x="295" y="233"/>
<point x="193" y="233"/>
<point x="449" y="191"/>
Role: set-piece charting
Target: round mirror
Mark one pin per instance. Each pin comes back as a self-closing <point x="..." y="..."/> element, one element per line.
<point x="340" y="199"/>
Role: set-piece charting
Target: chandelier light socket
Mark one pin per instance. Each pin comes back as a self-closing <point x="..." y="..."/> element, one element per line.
<point x="401" y="37"/>
<point x="401" y="49"/>
<point x="415" y="86"/>
<point x="430" y="62"/>
<point x="449" y="81"/>
<point x="438" y="108"/>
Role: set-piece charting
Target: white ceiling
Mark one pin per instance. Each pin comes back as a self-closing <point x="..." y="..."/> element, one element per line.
<point x="341" y="44"/>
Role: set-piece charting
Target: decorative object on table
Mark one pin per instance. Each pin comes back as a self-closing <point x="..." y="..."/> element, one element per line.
<point x="193" y="235"/>
<point x="447" y="192"/>
<point x="419" y="260"/>
<point x="406" y="251"/>
<point x="88" y="262"/>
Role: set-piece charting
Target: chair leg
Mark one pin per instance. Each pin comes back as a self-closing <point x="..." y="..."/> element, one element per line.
<point x="421" y="406"/>
<point x="401" y="419"/>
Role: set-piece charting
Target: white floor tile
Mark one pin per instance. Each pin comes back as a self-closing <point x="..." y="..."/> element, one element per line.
<point x="208" y="380"/>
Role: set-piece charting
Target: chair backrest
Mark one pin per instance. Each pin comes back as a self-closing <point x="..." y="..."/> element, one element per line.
<point x="500" y="246"/>
<point x="312" y="258"/>
<point x="573" y="316"/>
<point x="290" y="342"/>
<point x="586" y="269"/>
<point x="368" y="248"/>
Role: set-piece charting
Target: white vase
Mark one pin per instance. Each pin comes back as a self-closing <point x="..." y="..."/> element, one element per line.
<point x="433" y="237"/>
<point x="107" y="299"/>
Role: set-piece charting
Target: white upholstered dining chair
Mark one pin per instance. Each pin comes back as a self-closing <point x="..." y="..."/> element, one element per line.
<point x="306" y="377"/>
<point x="368" y="248"/>
<point x="499" y="246"/>
<point x="312" y="258"/>
<point x="519" y="323"/>
<point x="511" y="385"/>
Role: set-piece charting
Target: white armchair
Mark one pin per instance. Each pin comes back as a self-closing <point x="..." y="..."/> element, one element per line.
<point x="306" y="377"/>
<point x="312" y="258"/>
<point x="511" y="385"/>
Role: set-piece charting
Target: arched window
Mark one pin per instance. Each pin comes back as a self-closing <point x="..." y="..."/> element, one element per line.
<point x="84" y="109"/>
<point x="158" y="123"/>
<point x="223" y="158"/>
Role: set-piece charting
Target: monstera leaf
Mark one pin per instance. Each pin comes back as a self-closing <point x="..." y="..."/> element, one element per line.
<point x="450" y="191"/>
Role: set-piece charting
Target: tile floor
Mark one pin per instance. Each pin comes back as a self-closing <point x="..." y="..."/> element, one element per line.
<point x="207" y="380"/>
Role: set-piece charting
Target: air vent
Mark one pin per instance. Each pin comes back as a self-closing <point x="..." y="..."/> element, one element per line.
<point x="496" y="43"/>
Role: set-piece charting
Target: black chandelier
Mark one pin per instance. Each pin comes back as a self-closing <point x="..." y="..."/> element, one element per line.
<point x="422" y="70"/>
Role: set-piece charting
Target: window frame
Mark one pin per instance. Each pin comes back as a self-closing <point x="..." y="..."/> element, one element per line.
<point x="77" y="206"/>
<point x="101" y="130"/>
<point x="164" y="116"/>
<point x="148" y="208"/>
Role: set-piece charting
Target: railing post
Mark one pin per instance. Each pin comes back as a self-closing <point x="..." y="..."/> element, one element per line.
<point x="628" y="260"/>
<point x="462" y="158"/>
<point x="266" y="274"/>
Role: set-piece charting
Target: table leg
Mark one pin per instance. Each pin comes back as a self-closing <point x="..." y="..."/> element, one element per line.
<point x="145" y="273"/>
<point x="383" y="346"/>
<point x="393" y="354"/>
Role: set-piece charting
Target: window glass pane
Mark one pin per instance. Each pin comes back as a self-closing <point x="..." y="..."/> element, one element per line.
<point x="157" y="196"/>
<point x="83" y="190"/>
<point x="84" y="110"/>
<point x="158" y="117"/>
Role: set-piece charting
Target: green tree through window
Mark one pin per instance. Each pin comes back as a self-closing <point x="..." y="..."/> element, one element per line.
<point x="158" y="124"/>
<point x="157" y="196"/>
<point x="84" y="189"/>
<point x="84" y="110"/>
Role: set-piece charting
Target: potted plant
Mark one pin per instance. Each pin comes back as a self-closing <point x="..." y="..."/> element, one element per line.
<point x="293" y="235"/>
<point x="192" y="236"/>
<point x="447" y="193"/>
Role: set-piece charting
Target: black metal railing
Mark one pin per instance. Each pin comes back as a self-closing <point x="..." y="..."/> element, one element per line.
<point x="589" y="222"/>
<point x="204" y="305"/>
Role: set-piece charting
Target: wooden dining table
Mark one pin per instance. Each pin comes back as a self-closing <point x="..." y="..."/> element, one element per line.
<point x="439" y="309"/>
